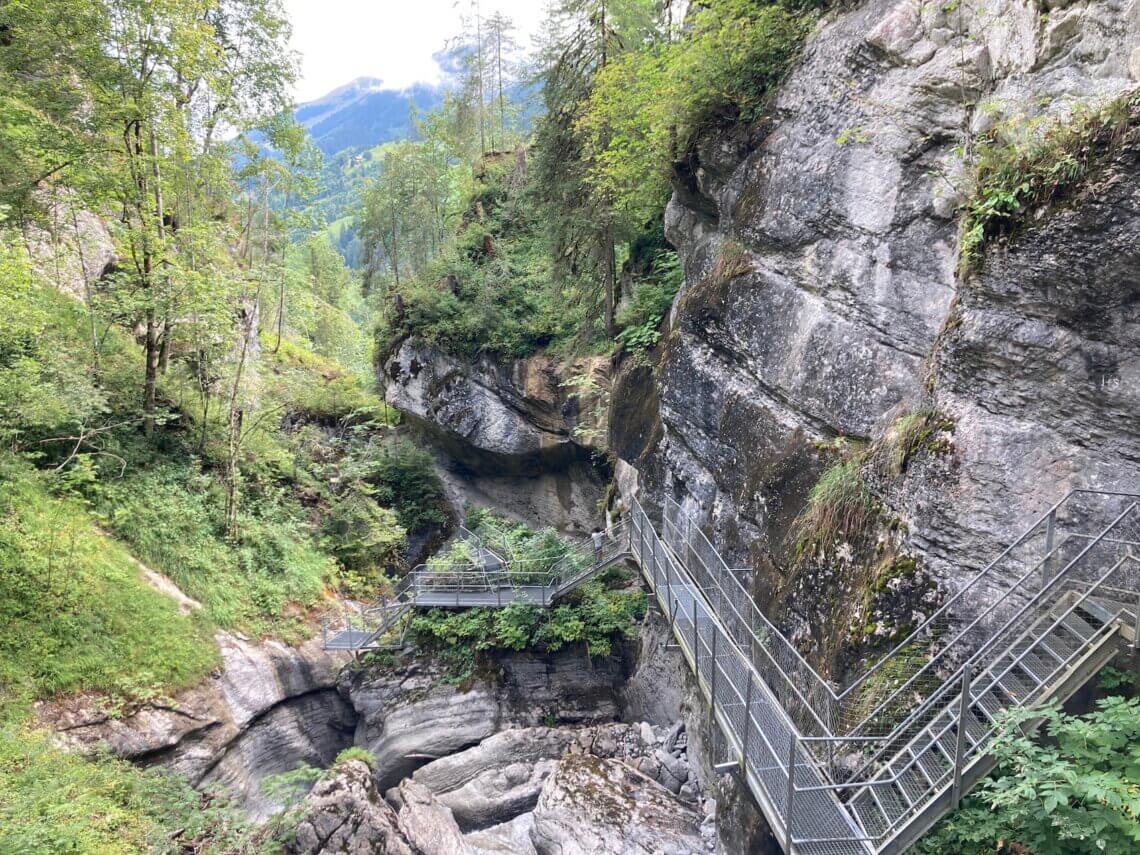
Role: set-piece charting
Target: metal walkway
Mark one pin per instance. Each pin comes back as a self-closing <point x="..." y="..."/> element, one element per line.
<point x="871" y="768"/>
<point x="487" y="580"/>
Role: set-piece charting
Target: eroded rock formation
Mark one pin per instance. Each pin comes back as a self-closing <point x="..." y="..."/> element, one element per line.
<point x="519" y="437"/>
<point x="269" y="708"/>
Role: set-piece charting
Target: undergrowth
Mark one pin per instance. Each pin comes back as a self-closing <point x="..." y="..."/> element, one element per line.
<point x="1074" y="792"/>
<point x="76" y="612"/>
<point x="1024" y="168"/>
<point x="599" y="614"/>
<point x="53" y="801"/>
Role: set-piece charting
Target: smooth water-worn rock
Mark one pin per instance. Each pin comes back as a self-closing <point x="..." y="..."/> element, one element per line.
<point x="498" y="779"/>
<point x="510" y="838"/>
<point x="409" y="716"/>
<point x="597" y="806"/>
<point x="426" y="823"/>
<point x="502" y="777"/>
<point x="268" y="708"/>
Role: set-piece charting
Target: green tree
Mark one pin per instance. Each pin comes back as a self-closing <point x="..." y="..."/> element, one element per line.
<point x="584" y="38"/>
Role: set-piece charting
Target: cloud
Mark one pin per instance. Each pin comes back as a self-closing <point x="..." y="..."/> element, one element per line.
<point x="394" y="40"/>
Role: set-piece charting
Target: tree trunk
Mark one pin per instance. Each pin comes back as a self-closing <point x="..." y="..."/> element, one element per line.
<point x="88" y="297"/>
<point x="281" y="286"/>
<point x="395" y="249"/>
<point x="502" y="107"/>
<point x="151" y="372"/>
<point x="164" y="347"/>
<point x="609" y="275"/>
<point x="479" y="72"/>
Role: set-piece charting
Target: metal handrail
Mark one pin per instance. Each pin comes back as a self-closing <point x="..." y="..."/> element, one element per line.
<point x="994" y="679"/>
<point x="946" y="695"/>
<point x="757" y="703"/>
<point x="950" y="682"/>
<point x="947" y="606"/>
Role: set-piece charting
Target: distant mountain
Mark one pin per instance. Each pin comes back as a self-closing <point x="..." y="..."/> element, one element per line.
<point x="364" y="113"/>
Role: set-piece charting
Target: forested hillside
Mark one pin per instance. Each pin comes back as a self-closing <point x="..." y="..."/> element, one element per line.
<point x="185" y="381"/>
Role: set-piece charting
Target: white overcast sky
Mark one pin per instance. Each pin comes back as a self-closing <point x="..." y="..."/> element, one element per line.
<point x="341" y="40"/>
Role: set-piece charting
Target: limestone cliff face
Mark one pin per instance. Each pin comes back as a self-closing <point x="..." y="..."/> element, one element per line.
<point x="822" y="299"/>
<point x="521" y="437"/>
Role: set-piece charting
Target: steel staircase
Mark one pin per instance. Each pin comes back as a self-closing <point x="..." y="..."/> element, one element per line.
<point x="871" y="768"/>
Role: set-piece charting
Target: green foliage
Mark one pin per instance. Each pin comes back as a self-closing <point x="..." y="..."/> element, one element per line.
<point x="598" y="614"/>
<point x="45" y="384"/>
<point x="54" y="801"/>
<point x="489" y="288"/>
<point x="1027" y="166"/>
<point x="839" y="508"/>
<point x="404" y="477"/>
<point x="640" y="320"/>
<point x="365" y="538"/>
<point x="647" y="107"/>
<point x="911" y="433"/>
<point x="76" y="612"/>
<point x="312" y="387"/>
<point x="1112" y="679"/>
<point x="1078" y="792"/>
<point x="356" y="753"/>
<point x="171" y="515"/>
<point x="595" y="615"/>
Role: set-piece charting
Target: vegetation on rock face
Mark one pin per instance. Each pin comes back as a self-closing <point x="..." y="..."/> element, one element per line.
<point x="648" y="105"/>
<point x="559" y="245"/>
<point x="1076" y="792"/>
<point x="1025" y="167"/>
<point x="838" y="509"/>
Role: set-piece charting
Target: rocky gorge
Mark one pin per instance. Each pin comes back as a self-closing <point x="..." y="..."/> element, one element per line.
<point x="830" y="320"/>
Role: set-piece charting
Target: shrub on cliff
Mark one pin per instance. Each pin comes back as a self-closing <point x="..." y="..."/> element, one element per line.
<point x="647" y="107"/>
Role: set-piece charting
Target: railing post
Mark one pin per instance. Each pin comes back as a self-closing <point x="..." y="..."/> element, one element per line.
<point x="1050" y="535"/>
<point x="827" y="705"/>
<point x="712" y="680"/>
<point x="747" y="728"/>
<point x="960" y="741"/>
<point x="696" y="640"/>
<point x="789" y="840"/>
<point x="1136" y="627"/>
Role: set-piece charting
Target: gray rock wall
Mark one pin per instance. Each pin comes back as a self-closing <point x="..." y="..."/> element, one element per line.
<point x="514" y="437"/>
<point x="822" y="297"/>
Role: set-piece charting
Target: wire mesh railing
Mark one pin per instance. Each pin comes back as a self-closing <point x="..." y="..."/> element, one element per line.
<point x="842" y="741"/>
<point x="845" y="772"/>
